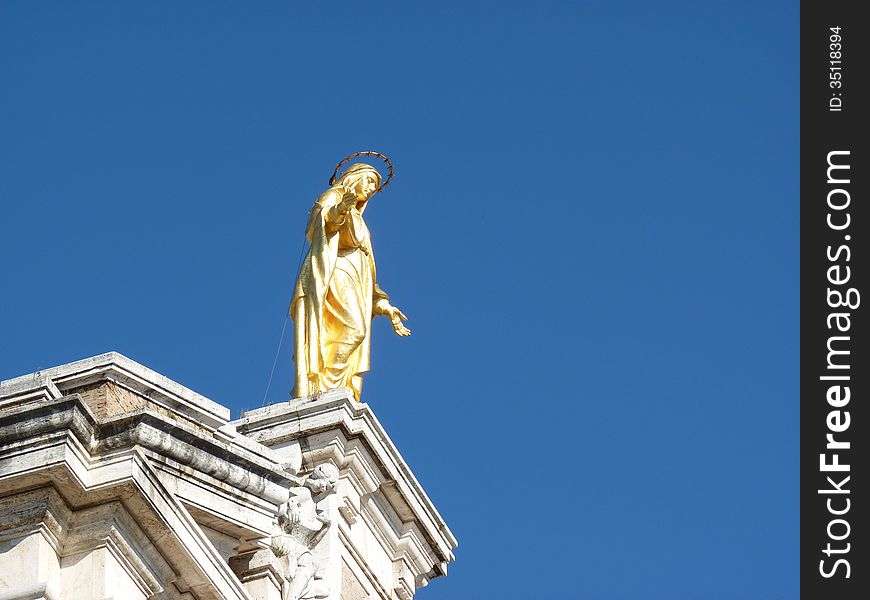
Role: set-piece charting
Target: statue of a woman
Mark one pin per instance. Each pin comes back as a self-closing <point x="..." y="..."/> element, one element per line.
<point x="337" y="295"/>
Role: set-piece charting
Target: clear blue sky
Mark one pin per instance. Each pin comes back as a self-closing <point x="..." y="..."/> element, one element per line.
<point x="593" y="230"/>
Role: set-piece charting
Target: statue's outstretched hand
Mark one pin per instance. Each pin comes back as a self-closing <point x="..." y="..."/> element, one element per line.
<point x="396" y="318"/>
<point x="348" y="201"/>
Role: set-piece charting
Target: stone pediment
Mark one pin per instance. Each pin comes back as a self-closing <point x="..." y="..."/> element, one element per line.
<point x="57" y="452"/>
<point x="336" y="428"/>
<point x="120" y="482"/>
<point x="112" y="382"/>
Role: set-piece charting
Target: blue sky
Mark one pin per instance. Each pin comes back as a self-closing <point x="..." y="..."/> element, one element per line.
<point x="593" y="229"/>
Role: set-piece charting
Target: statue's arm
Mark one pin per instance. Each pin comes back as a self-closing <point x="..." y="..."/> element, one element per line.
<point x="382" y="306"/>
<point x="381" y="301"/>
<point x="334" y="208"/>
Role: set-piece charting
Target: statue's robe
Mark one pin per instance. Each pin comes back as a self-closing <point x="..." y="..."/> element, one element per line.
<point x="335" y="297"/>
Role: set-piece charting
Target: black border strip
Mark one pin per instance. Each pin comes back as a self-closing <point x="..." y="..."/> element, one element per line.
<point x="835" y="227"/>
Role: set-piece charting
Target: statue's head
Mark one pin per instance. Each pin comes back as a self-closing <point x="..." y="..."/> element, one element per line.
<point x="323" y="479"/>
<point x="362" y="179"/>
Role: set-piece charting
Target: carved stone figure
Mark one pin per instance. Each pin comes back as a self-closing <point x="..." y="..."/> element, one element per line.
<point x="303" y="521"/>
<point x="337" y="294"/>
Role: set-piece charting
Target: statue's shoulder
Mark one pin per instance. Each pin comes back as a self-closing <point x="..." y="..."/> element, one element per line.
<point x="330" y="197"/>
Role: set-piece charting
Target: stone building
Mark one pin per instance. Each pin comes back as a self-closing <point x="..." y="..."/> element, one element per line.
<point x="117" y="482"/>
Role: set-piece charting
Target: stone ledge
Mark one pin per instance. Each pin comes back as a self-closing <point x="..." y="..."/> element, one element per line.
<point x="235" y="490"/>
<point x="334" y="427"/>
<point x="108" y="437"/>
<point x="125" y="373"/>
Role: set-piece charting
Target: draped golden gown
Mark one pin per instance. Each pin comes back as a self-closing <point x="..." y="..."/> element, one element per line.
<point x="335" y="298"/>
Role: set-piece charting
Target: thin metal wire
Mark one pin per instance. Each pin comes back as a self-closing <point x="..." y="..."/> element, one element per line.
<point x="284" y="327"/>
<point x="275" y="362"/>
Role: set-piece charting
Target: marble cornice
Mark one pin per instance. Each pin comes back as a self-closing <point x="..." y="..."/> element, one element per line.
<point x="158" y="433"/>
<point x="334" y="427"/>
<point x="124" y="372"/>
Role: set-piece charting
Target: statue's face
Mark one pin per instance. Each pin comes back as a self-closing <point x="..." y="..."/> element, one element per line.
<point x="367" y="187"/>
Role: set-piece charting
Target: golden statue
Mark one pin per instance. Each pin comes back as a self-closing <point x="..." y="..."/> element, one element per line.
<point x="337" y="294"/>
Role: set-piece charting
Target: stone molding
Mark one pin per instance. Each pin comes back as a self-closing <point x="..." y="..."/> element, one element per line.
<point x="377" y="489"/>
<point x="69" y="533"/>
<point x="128" y="374"/>
<point x="39" y="591"/>
<point x="337" y="409"/>
<point x="56" y="447"/>
<point x="104" y="460"/>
